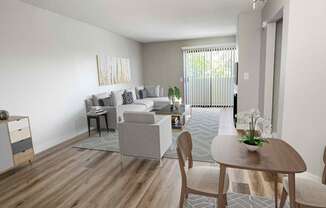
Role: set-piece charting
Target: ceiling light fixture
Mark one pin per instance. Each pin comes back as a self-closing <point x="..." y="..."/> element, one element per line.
<point x="255" y="2"/>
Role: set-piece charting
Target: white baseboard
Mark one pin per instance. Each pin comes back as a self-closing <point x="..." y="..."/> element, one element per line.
<point x="41" y="147"/>
<point x="311" y="176"/>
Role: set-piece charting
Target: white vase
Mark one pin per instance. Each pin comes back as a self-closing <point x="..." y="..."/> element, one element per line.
<point x="252" y="148"/>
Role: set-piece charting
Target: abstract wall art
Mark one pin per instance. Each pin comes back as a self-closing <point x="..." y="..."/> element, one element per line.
<point x="113" y="70"/>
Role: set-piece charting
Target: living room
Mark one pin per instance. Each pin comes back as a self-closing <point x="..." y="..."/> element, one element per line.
<point x="59" y="64"/>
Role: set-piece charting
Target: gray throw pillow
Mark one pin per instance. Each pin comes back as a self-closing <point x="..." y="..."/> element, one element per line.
<point x="153" y="91"/>
<point x="142" y="94"/>
<point x="105" y="101"/>
<point x="137" y="89"/>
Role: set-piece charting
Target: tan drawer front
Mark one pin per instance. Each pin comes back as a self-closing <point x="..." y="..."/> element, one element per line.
<point x="19" y="124"/>
<point x="23" y="157"/>
<point x="20" y="134"/>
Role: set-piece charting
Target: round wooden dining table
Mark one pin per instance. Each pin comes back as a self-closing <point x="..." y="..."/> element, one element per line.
<point x="274" y="157"/>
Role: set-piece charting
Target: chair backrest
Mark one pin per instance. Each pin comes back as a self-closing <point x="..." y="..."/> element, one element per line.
<point x="139" y="117"/>
<point x="88" y="104"/>
<point x="324" y="173"/>
<point x="184" y="148"/>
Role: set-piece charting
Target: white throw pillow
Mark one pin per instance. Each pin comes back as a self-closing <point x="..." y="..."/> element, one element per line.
<point x="117" y="97"/>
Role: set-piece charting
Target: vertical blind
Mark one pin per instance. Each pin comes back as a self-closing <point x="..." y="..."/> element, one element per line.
<point x="209" y="76"/>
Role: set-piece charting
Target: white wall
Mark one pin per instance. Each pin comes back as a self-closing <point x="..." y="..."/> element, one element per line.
<point x="305" y="77"/>
<point x="249" y="46"/>
<point x="48" y="67"/>
<point x="163" y="61"/>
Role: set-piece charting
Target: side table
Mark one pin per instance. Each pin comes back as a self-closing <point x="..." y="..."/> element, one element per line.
<point x="97" y="116"/>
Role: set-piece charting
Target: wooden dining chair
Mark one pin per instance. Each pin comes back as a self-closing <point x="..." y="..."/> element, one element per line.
<point x="308" y="193"/>
<point x="201" y="180"/>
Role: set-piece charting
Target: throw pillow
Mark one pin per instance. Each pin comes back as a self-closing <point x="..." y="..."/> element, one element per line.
<point x="105" y="101"/>
<point x="127" y="97"/>
<point x="117" y="97"/>
<point x="142" y="94"/>
<point x="137" y="91"/>
<point x="153" y="91"/>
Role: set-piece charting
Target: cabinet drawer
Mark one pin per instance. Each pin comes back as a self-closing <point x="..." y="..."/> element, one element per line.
<point x="23" y="157"/>
<point x="18" y="124"/>
<point x="21" y="146"/>
<point x="20" y="134"/>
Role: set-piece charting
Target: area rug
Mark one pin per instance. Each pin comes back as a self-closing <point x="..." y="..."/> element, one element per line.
<point x="235" y="200"/>
<point x="203" y="126"/>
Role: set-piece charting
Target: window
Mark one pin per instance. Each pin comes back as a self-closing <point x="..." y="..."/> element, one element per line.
<point x="209" y="76"/>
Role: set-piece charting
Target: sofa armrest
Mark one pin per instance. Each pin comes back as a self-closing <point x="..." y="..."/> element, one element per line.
<point x="112" y="117"/>
<point x="165" y="128"/>
<point x="160" y="119"/>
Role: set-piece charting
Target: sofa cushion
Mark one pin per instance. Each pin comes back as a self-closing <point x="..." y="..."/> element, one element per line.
<point x="153" y="91"/>
<point x="127" y="97"/>
<point x="139" y="117"/>
<point x="147" y="103"/>
<point x="158" y="99"/>
<point x="117" y="97"/>
<point x="159" y="102"/>
<point x="131" y="107"/>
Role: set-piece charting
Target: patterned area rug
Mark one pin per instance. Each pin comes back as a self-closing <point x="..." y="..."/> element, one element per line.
<point x="235" y="200"/>
<point x="203" y="126"/>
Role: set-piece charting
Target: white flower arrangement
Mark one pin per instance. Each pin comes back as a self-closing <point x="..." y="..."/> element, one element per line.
<point x="252" y="120"/>
<point x="256" y="127"/>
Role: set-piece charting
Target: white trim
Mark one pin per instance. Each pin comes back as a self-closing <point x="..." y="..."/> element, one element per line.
<point x="226" y="45"/>
<point x="269" y="70"/>
<point x="311" y="177"/>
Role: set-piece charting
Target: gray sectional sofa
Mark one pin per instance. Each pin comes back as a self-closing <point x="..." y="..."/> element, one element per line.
<point x="114" y="104"/>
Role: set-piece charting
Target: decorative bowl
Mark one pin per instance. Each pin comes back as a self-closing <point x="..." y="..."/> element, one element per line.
<point x="4" y="115"/>
<point x="252" y="148"/>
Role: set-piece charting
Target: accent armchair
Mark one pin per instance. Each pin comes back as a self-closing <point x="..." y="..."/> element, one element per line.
<point x="145" y="135"/>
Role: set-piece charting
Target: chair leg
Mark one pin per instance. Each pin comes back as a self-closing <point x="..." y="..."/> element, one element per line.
<point x="275" y="189"/>
<point x="225" y="199"/>
<point x="121" y="161"/>
<point x="182" y="196"/>
<point x="283" y="198"/>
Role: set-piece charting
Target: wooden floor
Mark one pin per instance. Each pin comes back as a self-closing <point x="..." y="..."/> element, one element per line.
<point x="68" y="177"/>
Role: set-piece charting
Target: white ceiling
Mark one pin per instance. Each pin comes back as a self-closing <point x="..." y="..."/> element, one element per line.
<point x="154" y="20"/>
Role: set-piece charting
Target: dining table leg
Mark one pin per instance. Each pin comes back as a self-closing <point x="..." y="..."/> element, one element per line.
<point x="275" y="189"/>
<point x="221" y="203"/>
<point x="292" y="190"/>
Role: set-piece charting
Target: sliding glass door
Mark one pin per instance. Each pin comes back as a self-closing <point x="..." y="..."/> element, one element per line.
<point x="209" y="76"/>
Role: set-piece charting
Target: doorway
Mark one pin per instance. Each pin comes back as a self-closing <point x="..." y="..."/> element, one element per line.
<point x="209" y="76"/>
<point x="277" y="74"/>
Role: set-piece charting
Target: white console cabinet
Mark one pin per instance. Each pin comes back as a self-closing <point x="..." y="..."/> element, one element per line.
<point x="16" y="145"/>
